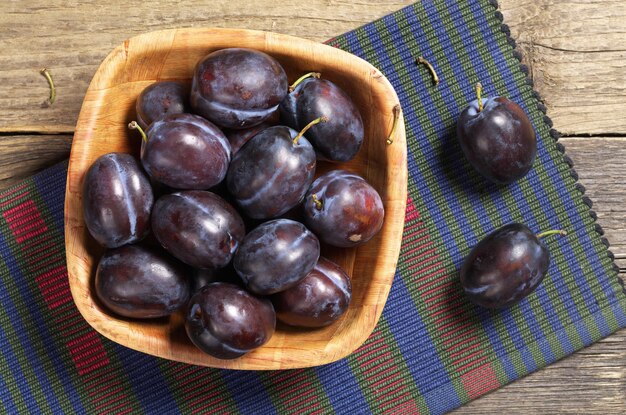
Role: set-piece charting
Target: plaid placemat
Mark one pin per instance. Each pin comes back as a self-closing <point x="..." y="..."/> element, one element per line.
<point x="432" y="350"/>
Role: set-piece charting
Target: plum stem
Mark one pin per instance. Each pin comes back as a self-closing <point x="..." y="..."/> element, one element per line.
<point x="134" y="126"/>
<point x="552" y="232"/>
<point x="318" y="203"/>
<point x="302" y="78"/>
<point x="394" y="126"/>
<point x="479" y="90"/>
<point x="53" y="91"/>
<point x="421" y="60"/>
<point x="309" y="125"/>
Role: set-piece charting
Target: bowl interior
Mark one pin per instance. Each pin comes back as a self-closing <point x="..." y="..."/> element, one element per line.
<point x="107" y="109"/>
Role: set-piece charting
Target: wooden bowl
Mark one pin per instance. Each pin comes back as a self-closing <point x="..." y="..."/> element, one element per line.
<point x="171" y="55"/>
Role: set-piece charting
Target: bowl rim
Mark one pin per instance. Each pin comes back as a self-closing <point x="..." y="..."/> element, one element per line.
<point x="79" y="269"/>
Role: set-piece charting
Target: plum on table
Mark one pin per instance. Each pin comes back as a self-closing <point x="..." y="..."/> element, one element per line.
<point x="505" y="266"/>
<point x="497" y="138"/>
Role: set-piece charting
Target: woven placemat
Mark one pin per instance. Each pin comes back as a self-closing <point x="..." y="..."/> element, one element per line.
<point x="432" y="350"/>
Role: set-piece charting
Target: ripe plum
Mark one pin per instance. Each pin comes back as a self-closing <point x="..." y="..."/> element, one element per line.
<point x="341" y="137"/>
<point x="226" y="321"/>
<point x="237" y="87"/>
<point x="272" y="172"/>
<point x="318" y="299"/>
<point x="197" y="227"/>
<point x="184" y="151"/>
<point x="159" y="100"/>
<point x="343" y="210"/>
<point x="497" y="138"/>
<point x="117" y="200"/>
<point x="276" y="255"/>
<point x="141" y="282"/>
<point x="505" y="266"/>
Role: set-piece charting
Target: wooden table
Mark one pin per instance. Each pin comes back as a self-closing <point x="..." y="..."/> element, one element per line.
<point x="575" y="49"/>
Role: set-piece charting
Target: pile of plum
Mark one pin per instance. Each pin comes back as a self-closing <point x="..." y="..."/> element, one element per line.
<point x="222" y="216"/>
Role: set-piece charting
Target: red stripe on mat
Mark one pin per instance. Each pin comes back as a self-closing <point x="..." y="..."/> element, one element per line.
<point x="96" y="355"/>
<point x="480" y="380"/>
<point x="439" y="290"/>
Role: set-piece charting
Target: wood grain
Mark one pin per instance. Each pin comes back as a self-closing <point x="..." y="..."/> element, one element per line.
<point x="23" y="155"/>
<point x="575" y="50"/>
<point x="71" y="42"/>
<point x="600" y="164"/>
<point x="577" y="64"/>
<point x="172" y="54"/>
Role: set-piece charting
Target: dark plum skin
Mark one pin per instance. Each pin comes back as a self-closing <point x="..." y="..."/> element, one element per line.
<point x="117" y="200"/>
<point x="227" y="322"/>
<point x="504" y="267"/>
<point x="339" y="138"/>
<point x="318" y="300"/>
<point x="141" y="282"/>
<point x="159" y="100"/>
<point x="270" y="174"/>
<point x="184" y="151"/>
<point x="288" y="108"/>
<point x="276" y="255"/>
<point x="204" y="276"/>
<point x="197" y="227"/>
<point x="237" y="138"/>
<point x="499" y="141"/>
<point x="351" y="211"/>
<point x="237" y="87"/>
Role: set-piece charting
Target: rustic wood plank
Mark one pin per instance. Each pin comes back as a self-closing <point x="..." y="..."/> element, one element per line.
<point x="72" y="43"/>
<point x="577" y="65"/>
<point x="23" y="155"/>
<point x="576" y="52"/>
<point x="599" y="163"/>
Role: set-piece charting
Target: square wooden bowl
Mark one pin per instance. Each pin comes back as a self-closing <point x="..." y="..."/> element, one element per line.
<point x="171" y="55"/>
